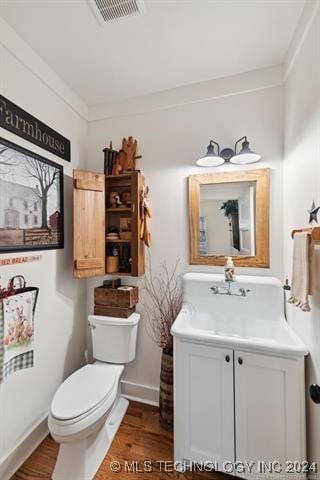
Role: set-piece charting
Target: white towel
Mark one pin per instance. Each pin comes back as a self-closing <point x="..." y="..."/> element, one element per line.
<point x="302" y="278"/>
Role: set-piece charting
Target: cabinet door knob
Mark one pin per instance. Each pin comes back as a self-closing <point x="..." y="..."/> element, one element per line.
<point x="314" y="391"/>
<point x="240" y="361"/>
<point x="227" y="358"/>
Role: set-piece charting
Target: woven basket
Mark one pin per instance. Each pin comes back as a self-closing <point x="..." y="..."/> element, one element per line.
<point x="166" y="392"/>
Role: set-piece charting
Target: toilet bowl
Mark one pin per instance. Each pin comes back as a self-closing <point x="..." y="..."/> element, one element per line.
<point x="83" y="400"/>
<point x="88" y="408"/>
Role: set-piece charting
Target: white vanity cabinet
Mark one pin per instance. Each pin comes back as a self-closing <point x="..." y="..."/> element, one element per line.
<point x="269" y="407"/>
<point x="239" y="387"/>
<point x="233" y="405"/>
<point x="203" y="393"/>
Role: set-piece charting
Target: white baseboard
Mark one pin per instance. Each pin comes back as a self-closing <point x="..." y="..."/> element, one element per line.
<point x="140" y="393"/>
<point x="13" y="461"/>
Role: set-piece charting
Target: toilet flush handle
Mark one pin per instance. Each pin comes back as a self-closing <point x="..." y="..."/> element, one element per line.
<point x="90" y="325"/>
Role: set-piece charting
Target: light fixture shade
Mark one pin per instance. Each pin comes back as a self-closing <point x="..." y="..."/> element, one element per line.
<point x="210" y="161"/>
<point x="211" y="158"/>
<point x="245" y="156"/>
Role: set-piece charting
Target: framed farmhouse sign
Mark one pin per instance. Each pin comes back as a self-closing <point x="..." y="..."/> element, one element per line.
<point x="20" y="122"/>
<point x="31" y="200"/>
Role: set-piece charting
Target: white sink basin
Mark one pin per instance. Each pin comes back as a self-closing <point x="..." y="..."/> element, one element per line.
<point x="255" y="322"/>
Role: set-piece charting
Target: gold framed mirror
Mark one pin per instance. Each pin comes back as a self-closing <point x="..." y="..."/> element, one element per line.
<point x="229" y="216"/>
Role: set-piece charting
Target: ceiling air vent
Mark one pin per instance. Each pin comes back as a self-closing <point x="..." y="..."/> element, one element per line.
<point x="106" y="10"/>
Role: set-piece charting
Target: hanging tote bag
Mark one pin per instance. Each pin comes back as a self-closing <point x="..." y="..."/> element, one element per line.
<point x="17" y="327"/>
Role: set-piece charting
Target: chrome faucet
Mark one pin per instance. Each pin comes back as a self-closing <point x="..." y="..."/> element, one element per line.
<point x="242" y="292"/>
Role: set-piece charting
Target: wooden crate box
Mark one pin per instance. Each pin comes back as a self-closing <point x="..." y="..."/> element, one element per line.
<point x="113" y="297"/>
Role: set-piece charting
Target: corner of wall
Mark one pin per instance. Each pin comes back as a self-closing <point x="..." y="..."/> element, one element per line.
<point x="305" y="22"/>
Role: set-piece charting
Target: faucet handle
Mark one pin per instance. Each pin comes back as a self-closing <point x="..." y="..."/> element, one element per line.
<point x="244" y="291"/>
<point x="215" y="289"/>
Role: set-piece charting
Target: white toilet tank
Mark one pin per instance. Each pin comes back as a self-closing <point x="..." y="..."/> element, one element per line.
<point x="114" y="339"/>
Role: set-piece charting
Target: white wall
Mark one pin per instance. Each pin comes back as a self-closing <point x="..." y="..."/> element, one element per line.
<point x="171" y="137"/>
<point x="60" y="319"/>
<point x="301" y="187"/>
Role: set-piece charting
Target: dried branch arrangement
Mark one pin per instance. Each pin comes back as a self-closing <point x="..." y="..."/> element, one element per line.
<point x="163" y="304"/>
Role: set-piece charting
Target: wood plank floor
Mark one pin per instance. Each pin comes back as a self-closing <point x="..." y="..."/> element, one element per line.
<point x="139" y="439"/>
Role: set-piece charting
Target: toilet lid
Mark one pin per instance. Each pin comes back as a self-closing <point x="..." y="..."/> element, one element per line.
<point x="83" y="391"/>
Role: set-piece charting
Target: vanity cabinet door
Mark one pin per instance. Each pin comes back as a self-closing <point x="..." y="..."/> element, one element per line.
<point x="88" y="223"/>
<point x="269" y="401"/>
<point x="204" y="410"/>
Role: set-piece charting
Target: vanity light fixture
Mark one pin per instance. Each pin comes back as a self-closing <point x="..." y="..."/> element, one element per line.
<point x="214" y="158"/>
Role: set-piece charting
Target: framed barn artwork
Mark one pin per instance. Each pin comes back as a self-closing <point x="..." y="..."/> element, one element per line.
<point x="31" y="200"/>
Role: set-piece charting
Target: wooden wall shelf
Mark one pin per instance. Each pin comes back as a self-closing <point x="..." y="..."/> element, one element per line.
<point x="94" y="217"/>
<point x="122" y="175"/>
<point x="118" y="210"/>
<point x="314" y="233"/>
<point x="119" y="240"/>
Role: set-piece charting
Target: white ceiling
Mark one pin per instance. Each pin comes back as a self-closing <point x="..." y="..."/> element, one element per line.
<point x="177" y="42"/>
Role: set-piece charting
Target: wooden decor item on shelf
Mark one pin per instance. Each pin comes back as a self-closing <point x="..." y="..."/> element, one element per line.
<point x="130" y="148"/>
<point x="145" y="212"/>
<point x="117" y="168"/>
<point x="114" y="200"/>
<point x="112" y="264"/>
<point x="122" y="161"/>
<point x="126" y="157"/>
<point x="125" y="228"/>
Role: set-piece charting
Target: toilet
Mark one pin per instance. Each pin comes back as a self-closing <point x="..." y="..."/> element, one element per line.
<point x="87" y="409"/>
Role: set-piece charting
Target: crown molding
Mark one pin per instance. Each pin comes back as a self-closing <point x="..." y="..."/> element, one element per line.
<point x="189" y="94"/>
<point x="20" y="50"/>
<point x="304" y="25"/>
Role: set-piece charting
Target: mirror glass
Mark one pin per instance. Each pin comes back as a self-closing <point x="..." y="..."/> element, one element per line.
<point x="227" y="219"/>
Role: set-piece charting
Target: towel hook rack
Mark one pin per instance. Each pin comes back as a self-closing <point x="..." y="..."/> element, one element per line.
<point x="314" y="233"/>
